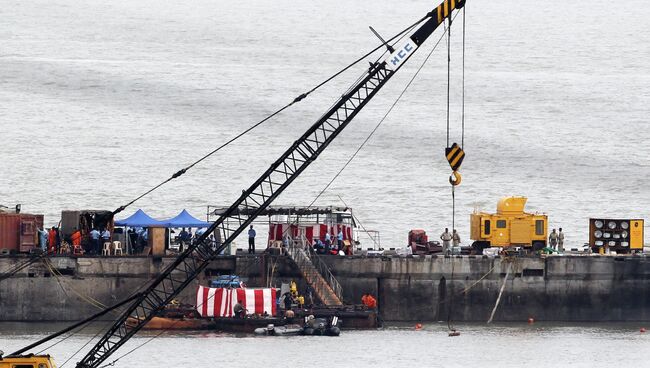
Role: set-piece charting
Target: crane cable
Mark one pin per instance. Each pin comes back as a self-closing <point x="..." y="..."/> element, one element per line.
<point x="454" y="153"/>
<point x="268" y="117"/>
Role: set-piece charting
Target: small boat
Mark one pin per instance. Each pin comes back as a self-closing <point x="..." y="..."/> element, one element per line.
<point x="272" y="330"/>
<point x="174" y="323"/>
<point x="313" y="327"/>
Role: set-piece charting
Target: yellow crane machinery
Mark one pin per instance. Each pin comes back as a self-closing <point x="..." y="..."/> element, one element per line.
<point x="509" y="226"/>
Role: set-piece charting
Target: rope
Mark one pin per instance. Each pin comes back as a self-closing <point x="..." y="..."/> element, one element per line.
<point x="374" y="241"/>
<point x="295" y="100"/>
<point x="453" y="208"/>
<point x="479" y="280"/>
<point x="88" y="299"/>
<point x="19" y="267"/>
<point x="503" y="286"/>
<point x="81" y="348"/>
<point x="462" y="139"/>
<point x="448" y="75"/>
<point x="381" y="120"/>
<point x="451" y="299"/>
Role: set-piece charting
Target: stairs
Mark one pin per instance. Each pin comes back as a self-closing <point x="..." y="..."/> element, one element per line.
<point x="317" y="275"/>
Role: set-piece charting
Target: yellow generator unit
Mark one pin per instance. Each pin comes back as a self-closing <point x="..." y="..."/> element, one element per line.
<point x="622" y="236"/>
<point x="510" y="226"/>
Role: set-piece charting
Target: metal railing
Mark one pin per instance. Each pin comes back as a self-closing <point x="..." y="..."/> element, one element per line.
<point x="303" y="254"/>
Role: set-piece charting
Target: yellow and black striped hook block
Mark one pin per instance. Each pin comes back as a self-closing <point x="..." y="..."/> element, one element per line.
<point x="455" y="156"/>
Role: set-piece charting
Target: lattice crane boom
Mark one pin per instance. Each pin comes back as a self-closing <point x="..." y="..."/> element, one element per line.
<point x="179" y="274"/>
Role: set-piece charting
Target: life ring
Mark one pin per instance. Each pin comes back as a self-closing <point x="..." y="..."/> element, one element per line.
<point x="455" y="178"/>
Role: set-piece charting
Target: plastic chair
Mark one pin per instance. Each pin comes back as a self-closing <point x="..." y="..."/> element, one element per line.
<point x="117" y="247"/>
<point x="107" y="249"/>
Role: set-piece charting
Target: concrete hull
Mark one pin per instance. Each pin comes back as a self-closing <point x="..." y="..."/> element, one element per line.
<point x="424" y="288"/>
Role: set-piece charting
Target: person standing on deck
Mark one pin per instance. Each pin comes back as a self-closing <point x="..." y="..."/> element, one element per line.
<point x="251" y="240"/>
<point x="552" y="239"/>
<point x="339" y="238"/>
<point x="42" y="239"/>
<point x="51" y="242"/>
<point x="75" y="238"/>
<point x="446" y="242"/>
<point x="94" y="238"/>
<point x="560" y="241"/>
<point x="455" y="238"/>
<point x="328" y="242"/>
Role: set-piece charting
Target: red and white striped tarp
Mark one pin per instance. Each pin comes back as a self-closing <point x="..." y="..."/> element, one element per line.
<point x="219" y="302"/>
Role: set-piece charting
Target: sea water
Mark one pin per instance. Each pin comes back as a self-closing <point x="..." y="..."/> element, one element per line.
<point x="102" y="100"/>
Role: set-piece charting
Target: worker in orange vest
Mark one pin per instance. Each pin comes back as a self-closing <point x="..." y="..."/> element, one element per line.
<point x="76" y="237"/>
<point x="371" y="302"/>
<point x="51" y="242"/>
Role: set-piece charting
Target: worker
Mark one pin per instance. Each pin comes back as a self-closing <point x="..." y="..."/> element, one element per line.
<point x="288" y="300"/>
<point x="328" y="242"/>
<point x="455" y="238"/>
<point x="183" y="235"/>
<point x="42" y="239"/>
<point x="446" y="242"/>
<point x="251" y="240"/>
<point x="240" y="311"/>
<point x="94" y="239"/>
<point x="339" y="238"/>
<point x="51" y="241"/>
<point x="552" y="239"/>
<point x="371" y="302"/>
<point x="309" y="298"/>
<point x="560" y="241"/>
<point x="75" y="238"/>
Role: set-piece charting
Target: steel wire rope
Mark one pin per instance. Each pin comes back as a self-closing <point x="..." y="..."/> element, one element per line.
<point x="82" y="347"/>
<point x="363" y="75"/>
<point x="12" y="270"/>
<point x="90" y="300"/>
<point x="399" y="97"/>
<point x="268" y="117"/>
<point x="462" y="115"/>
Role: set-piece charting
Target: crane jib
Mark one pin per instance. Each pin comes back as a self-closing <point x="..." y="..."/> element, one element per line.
<point x="404" y="49"/>
<point x="194" y="260"/>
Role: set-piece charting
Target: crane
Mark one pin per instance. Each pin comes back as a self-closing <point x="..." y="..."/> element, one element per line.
<point x="189" y="264"/>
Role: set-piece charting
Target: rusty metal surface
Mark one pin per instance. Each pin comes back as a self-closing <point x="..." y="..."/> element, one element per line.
<point x="19" y="232"/>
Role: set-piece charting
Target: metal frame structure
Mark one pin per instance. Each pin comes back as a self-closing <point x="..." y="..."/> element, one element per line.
<point x="253" y="201"/>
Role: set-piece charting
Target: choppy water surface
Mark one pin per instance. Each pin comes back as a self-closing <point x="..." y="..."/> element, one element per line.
<point x="539" y="345"/>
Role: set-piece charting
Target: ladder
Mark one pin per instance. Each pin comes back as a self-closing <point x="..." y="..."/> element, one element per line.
<point x="316" y="273"/>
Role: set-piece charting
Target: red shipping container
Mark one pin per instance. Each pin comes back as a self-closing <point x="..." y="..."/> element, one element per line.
<point x="19" y="231"/>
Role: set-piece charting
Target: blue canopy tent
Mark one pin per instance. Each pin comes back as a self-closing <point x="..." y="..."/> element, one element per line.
<point x="140" y="219"/>
<point x="184" y="219"/>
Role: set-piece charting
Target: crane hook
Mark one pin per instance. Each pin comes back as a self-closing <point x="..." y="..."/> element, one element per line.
<point x="455" y="178"/>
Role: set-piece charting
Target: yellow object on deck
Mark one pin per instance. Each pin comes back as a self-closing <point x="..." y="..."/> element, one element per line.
<point x="31" y="361"/>
<point x="509" y="226"/>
